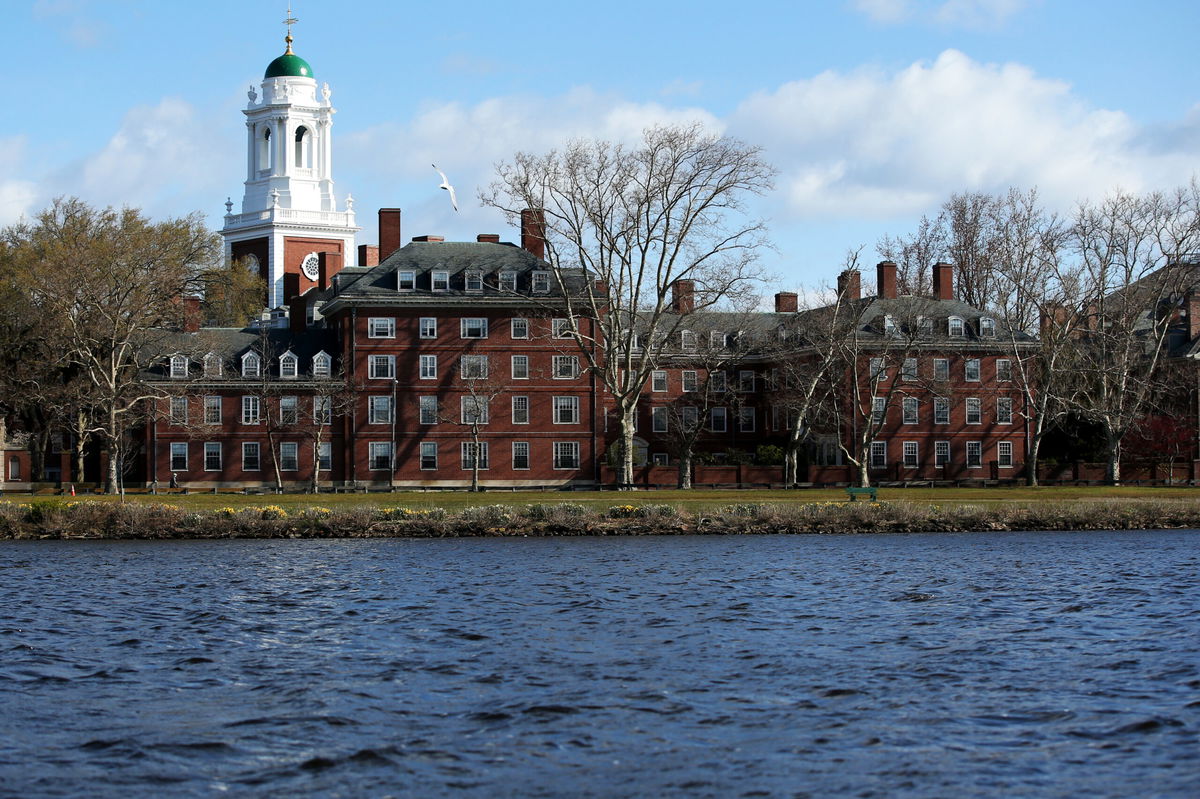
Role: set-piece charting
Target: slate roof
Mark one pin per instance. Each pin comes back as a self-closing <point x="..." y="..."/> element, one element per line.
<point x="232" y="343"/>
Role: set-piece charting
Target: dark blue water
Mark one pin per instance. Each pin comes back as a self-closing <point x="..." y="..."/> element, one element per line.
<point x="1010" y="664"/>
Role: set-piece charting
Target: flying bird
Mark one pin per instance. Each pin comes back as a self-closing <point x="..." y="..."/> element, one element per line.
<point x="446" y="185"/>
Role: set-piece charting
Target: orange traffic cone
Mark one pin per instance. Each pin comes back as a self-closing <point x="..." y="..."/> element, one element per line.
<point x="72" y="489"/>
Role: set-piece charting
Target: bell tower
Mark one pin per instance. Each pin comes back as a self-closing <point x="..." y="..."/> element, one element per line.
<point x="289" y="214"/>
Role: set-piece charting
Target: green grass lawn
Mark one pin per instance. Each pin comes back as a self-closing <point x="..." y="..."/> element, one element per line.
<point x="691" y="500"/>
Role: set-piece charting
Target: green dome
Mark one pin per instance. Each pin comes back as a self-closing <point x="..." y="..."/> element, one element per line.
<point x="288" y="65"/>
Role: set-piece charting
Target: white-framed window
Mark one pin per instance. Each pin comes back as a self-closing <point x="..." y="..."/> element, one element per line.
<point x="289" y="366"/>
<point x="987" y="327"/>
<point x="179" y="366"/>
<point x="473" y="410"/>
<point x="718" y="420"/>
<point x="324" y="456"/>
<point x="971" y="372"/>
<point x="941" y="453"/>
<point x="560" y="328"/>
<point x="876" y="369"/>
<point x="1003" y="370"/>
<point x="925" y="325"/>
<point x="658" y="380"/>
<point x="406" y="280"/>
<point x="380" y="455"/>
<point x="910" y="453"/>
<point x="289" y="410"/>
<point x="717" y="382"/>
<point x="520" y="367"/>
<point x="941" y="410"/>
<point x="746" y="419"/>
<point x="566" y="454"/>
<point x="908" y="372"/>
<point x="427" y="327"/>
<point x="746" y="381"/>
<point x="251" y="410"/>
<point x="322" y="365"/>
<point x="213" y="367"/>
<point x="541" y="282"/>
<point x="323" y="410"/>
<point x="473" y="367"/>
<point x="689" y="417"/>
<point x="508" y="281"/>
<point x="1004" y="454"/>
<point x="566" y="367"/>
<point x="473" y="280"/>
<point x="974" y="455"/>
<point x="179" y="411"/>
<point x="690" y="380"/>
<point x="212" y="456"/>
<point x="428" y="409"/>
<point x="941" y="369"/>
<point x="660" y="459"/>
<point x="889" y="325"/>
<point x="519" y="328"/>
<point x="909" y="410"/>
<point x="429" y="456"/>
<point x="470" y="450"/>
<point x="520" y="455"/>
<point x="439" y="280"/>
<point x="212" y="410"/>
<point x="289" y="456"/>
<point x="381" y="367"/>
<point x="658" y="420"/>
<point x="878" y="454"/>
<point x="717" y="339"/>
<point x="379" y="410"/>
<point x="955" y="326"/>
<point x="878" y="409"/>
<point x="251" y="460"/>
<point x="381" y="327"/>
<point x="179" y="452"/>
<point x="566" y="410"/>
<point x="1004" y="413"/>
<point x="520" y="410"/>
<point x="428" y="367"/>
<point x="473" y="327"/>
<point x="974" y="410"/>
<point x="251" y="365"/>
<point x="687" y="340"/>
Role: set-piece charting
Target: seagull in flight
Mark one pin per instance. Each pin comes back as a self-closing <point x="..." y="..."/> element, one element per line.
<point x="446" y="185"/>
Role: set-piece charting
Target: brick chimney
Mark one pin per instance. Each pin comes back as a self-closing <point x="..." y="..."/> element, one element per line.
<point x="329" y="265"/>
<point x="368" y="255"/>
<point x="291" y="286"/>
<point x="429" y="239"/>
<point x="298" y="314"/>
<point x="787" y="302"/>
<point x="191" y="314"/>
<point x="683" y="296"/>
<point x="533" y="231"/>
<point x="850" y="285"/>
<point x="885" y="281"/>
<point x="1191" y="304"/>
<point x="943" y="281"/>
<point x="389" y="232"/>
<point x="488" y="238"/>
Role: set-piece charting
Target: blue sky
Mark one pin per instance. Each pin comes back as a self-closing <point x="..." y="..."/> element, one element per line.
<point x="873" y="110"/>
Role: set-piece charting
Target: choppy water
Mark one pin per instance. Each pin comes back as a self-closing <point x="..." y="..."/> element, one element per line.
<point x="1013" y="664"/>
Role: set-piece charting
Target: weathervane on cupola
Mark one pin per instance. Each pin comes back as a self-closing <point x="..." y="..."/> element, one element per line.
<point x="290" y="21"/>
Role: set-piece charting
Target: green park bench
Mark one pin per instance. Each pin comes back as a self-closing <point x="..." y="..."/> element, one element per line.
<point x="854" y="493"/>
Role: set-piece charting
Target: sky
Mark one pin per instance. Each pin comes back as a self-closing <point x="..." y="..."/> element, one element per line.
<point x="873" y="111"/>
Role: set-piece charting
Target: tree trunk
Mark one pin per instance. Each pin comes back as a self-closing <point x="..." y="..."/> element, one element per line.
<point x="80" y="445"/>
<point x="113" y="452"/>
<point x="685" y="468"/>
<point x="1031" y="461"/>
<point x="626" y="472"/>
<point x="864" y="474"/>
<point x="1112" y="472"/>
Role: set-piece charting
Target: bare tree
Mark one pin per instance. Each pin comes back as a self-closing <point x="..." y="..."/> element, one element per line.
<point x="915" y="254"/>
<point x="480" y="388"/>
<point x="233" y="294"/>
<point x="623" y="226"/>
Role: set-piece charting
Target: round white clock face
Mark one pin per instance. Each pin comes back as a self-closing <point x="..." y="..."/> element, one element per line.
<point x="311" y="266"/>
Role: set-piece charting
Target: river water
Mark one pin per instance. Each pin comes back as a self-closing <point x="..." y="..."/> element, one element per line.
<point x="966" y="665"/>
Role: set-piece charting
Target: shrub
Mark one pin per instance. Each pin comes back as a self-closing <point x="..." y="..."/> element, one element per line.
<point x="768" y="455"/>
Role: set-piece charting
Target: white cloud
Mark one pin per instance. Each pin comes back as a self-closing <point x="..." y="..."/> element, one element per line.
<point x="974" y="14"/>
<point x="885" y="12"/>
<point x="17" y="195"/>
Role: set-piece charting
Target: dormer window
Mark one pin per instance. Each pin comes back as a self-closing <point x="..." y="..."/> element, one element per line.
<point x="508" y="281"/>
<point x="212" y="365"/>
<point x="925" y="325"/>
<point x="406" y="280"/>
<point x="687" y="340"/>
<point x="289" y="366"/>
<point x="889" y="325"/>
<point x="956" y="327"/>
<point x="251" y="365"/>
<point x="179" y="366"/>
<point x="473" y="280"/>
<point x="987" y="327"/>
<point x="322" y="365"/>
<point x="439" y="281"/>
<point x="541" y="282"/>
<point x="716" y="339"/>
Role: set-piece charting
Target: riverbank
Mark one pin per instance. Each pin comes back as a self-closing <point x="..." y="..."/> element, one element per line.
<point x="94" y="519"/>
